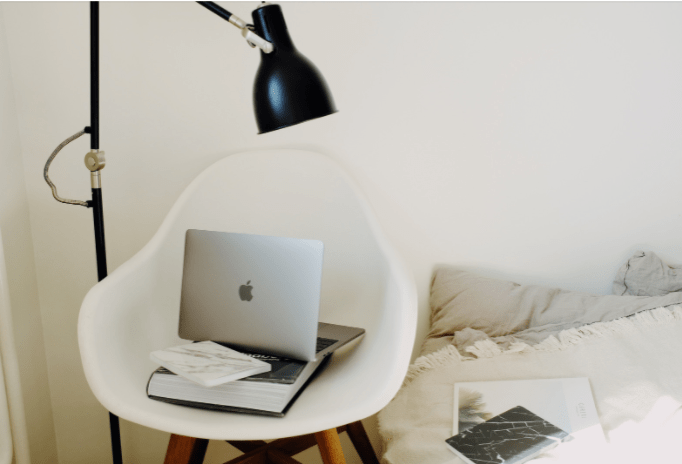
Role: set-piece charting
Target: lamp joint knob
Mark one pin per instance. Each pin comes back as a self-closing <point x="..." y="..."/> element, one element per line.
<point x="95" y="160"/>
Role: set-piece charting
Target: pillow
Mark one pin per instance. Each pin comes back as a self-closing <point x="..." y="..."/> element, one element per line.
<point x="463" y="300"/>
<point x="646" y="275"/>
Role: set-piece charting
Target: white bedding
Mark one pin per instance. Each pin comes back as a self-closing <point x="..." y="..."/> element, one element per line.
<point x="635" y="369"/>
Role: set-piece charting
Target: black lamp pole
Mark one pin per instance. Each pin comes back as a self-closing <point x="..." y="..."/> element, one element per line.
<point x="94" y="75"/>
<point x="96" y="202"/>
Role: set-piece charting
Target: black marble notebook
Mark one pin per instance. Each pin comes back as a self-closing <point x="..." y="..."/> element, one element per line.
<point x="513" y="437"/>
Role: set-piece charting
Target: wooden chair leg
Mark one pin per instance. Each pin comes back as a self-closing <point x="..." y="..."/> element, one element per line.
<point x="358" y="436"/>
<point x="294" y="445"/>
<point x="185" y="450"/>
<point x="257" y="456"/>
<point x="279" y="457"/>
<point x="247" y="446"/>
<point x="330" y="447"/>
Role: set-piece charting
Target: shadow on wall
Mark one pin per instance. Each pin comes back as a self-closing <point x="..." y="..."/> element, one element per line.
<point x="12" y="418"/>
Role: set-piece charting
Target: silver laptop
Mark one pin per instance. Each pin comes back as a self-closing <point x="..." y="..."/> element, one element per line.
<point x="257" y="293"/>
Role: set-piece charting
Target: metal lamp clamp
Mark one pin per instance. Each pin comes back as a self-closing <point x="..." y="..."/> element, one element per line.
<point x="95" y="162"/>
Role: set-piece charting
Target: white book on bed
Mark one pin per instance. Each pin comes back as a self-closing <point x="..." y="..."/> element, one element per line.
<point x="567" y="403"/>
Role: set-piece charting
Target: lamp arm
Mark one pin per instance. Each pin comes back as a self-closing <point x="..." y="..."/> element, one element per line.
<point x="223" y="13"/>
<point x="247" y="30"/>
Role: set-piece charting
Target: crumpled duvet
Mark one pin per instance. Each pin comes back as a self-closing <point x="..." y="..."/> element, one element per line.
<point x="645" y="274"/>
<point x="634" y="369"/>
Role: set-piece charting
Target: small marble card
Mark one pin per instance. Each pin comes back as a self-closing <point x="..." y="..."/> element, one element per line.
<point x="208" y="363"/>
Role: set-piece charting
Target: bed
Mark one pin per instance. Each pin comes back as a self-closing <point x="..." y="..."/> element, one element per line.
<point x="628" y="344"/>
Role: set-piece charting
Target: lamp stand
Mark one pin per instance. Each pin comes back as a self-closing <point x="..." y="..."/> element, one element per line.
<point x="95" y="162"/>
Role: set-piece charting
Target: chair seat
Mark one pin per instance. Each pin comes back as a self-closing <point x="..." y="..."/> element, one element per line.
<point x="286" y="193"/>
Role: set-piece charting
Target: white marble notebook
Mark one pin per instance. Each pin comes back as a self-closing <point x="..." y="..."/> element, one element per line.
<point x="208" y="363"/>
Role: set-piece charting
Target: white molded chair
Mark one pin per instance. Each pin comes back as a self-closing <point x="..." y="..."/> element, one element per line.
<point x="276" y="192"/>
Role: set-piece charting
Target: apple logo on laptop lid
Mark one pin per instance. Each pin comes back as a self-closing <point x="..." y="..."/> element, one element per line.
<point x="245" y="292"/>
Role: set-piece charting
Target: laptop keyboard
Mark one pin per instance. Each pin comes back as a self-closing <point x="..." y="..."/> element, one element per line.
<point x="323" y="343"/>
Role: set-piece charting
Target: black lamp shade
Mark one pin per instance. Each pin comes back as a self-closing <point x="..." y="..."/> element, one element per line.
<point x="288" y="88"/>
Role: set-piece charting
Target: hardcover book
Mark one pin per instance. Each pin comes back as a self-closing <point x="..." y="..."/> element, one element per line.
<point x="271" y="393"/>
<point x="565" y="402"/>
<point x="513" y="437"/>
<point x="208" y="363"/>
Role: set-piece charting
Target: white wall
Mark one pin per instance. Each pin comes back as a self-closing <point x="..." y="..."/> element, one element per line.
<point x="30" y="404"/>
<point x="533" y="141"/>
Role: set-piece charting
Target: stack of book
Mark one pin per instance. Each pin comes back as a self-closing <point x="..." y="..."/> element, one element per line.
<point x="268" y="393"/>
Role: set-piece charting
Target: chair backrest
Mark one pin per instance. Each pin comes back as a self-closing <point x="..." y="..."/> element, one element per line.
<point x="286" y="193"/>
